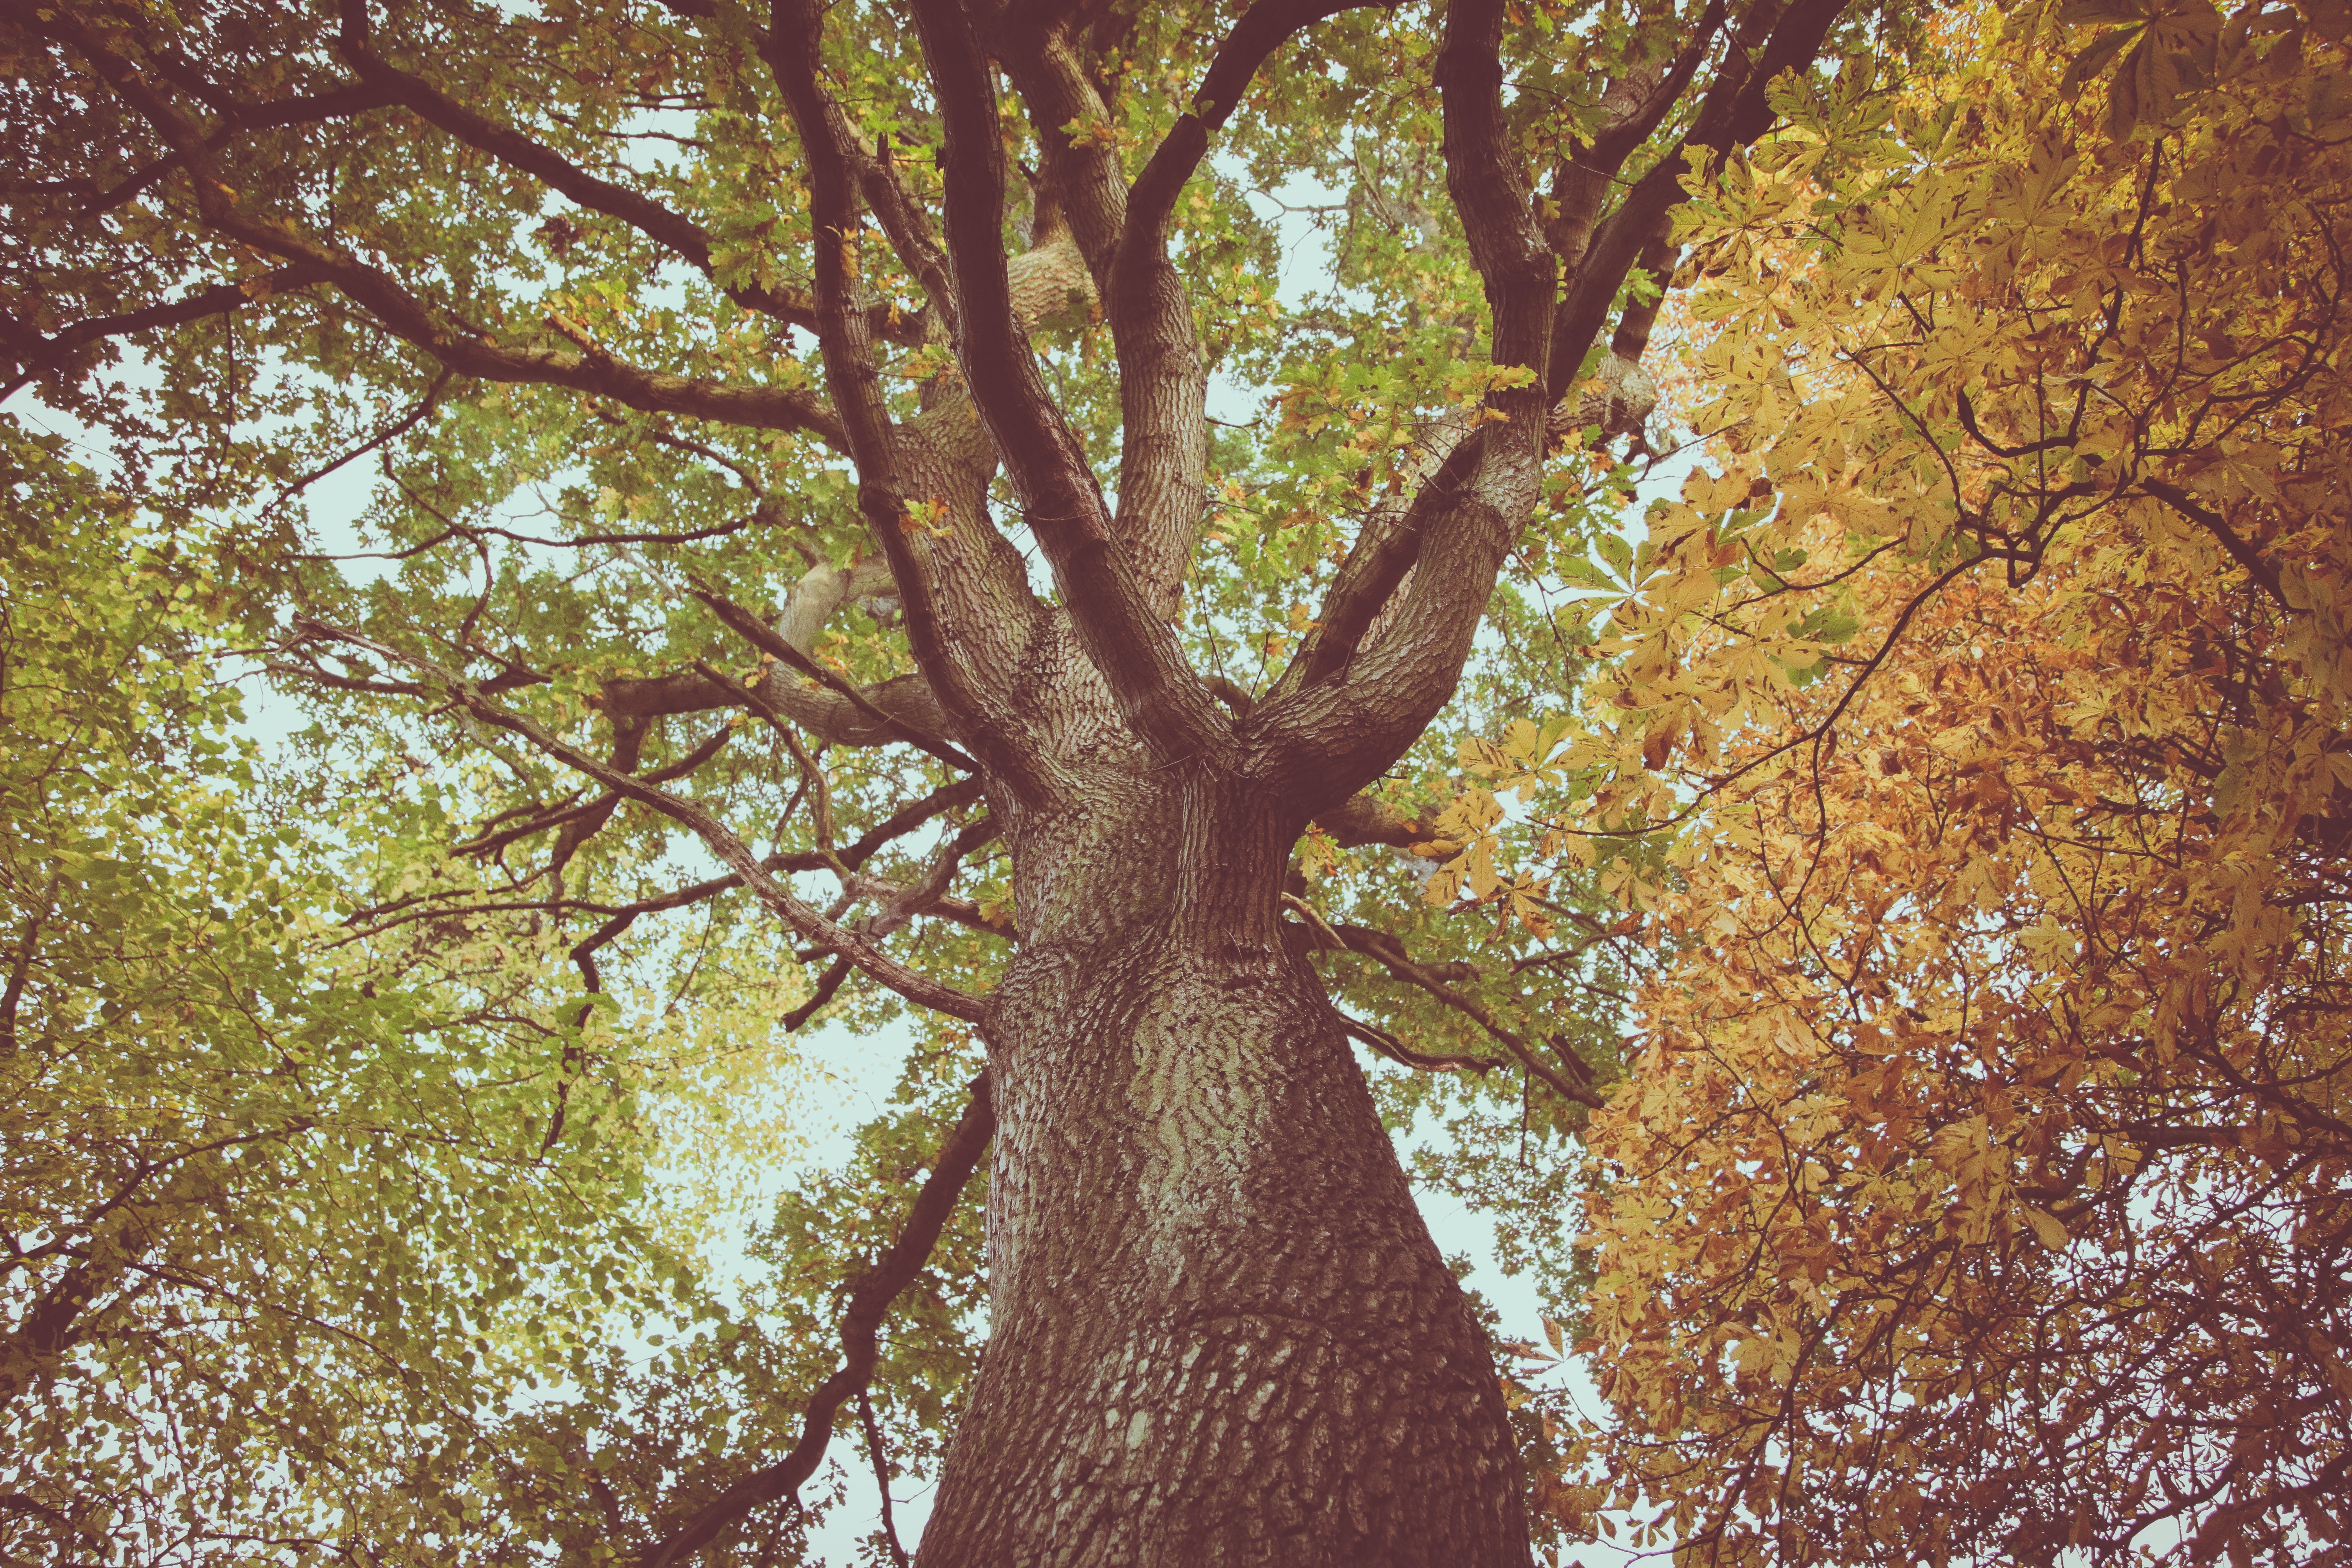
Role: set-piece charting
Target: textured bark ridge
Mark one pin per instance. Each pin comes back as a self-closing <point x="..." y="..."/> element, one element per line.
<point x="1223" y="1332"/>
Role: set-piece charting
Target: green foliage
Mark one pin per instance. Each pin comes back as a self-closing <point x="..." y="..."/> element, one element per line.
<point x="291" y="1229"/>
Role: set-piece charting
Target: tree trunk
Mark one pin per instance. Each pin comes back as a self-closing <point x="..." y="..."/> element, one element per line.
<point x="1223" y="1333"/>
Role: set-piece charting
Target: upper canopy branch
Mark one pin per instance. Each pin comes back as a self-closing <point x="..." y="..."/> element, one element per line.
<point x="1333" y="736"/>
<point x="673" y="230"/>
<point x="1485" y="176"/>
<point x="1117" y="624"/>
<point x="1735" y="111"/>
<point x="238" y="118"/>
<point x="2265" y="575"/>
<point x="1456" y="513"/>
<point x="31" y="354"/>
<point x="1164" y="380"/>
<point x="795" y="32"/>
<point x="1080" y="181"/>
<point x="401" y="312"/>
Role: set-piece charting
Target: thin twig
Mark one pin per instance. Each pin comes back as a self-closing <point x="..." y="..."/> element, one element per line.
<point x="1390" y="953"/>
<point x="881" y="1475"/>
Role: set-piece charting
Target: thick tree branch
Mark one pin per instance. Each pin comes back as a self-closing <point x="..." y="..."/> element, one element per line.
<point x="1360" y="819"/>
<point x="20" y="965"/>
<point x="1080" y="185"/>
<point x="1515" y="264"/>
<point x="49" y="1325"/>
<point x="1584" y="179"/>
<point x="1332" y="735"/>
<point x="907" y="225"/>
<point x="1115" y="621"/>
<point x="870" y="1303"/>
<point x="1376" y="567"/>
<point x="835" y="710"/>
<point x="31" y="354"/>
<point x="1163" y="381"/>
<point x="795" y="35"/>
<point x="59" y="1318"/>
<point x="1484" y="175"/>
<point x="906" y="700"/>
<point x="1735" y="109"/>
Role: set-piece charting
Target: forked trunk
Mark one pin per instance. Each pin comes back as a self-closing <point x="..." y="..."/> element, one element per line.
<point x="1221" y="1332"/>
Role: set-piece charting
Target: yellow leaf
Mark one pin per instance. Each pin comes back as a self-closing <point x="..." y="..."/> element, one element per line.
<point x="1480" y="872"/>
<point x="1659" y="743"/>
<point x="2047" y="1230"/>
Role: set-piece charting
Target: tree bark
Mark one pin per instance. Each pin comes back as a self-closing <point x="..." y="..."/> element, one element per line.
<point x="1223" y="1334"/>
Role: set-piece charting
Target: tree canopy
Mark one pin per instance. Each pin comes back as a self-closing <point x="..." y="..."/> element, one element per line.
<point x="1981" y="1186"/>
<point x="1791" y="563"/>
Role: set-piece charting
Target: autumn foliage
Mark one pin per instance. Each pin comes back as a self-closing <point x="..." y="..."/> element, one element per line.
<point x="1981" y="1190"/>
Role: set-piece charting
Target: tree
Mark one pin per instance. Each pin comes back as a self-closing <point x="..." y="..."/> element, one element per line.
<point x="579" y="260"/>
<point x="290" y="1217"/>
<point x="1981" y="1191"/>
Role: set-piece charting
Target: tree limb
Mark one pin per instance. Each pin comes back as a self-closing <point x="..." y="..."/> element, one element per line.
<point x="1117" y="624"/>
<point x="671" y="229"/>
<point x="405" y="316"/>
<point x="838" y="712"/>
<point x="1331" y="737"/>
<point x="870" y="1303"/>
<point x="2214" y="522"/>
<point x="881" y="1477"/>
<point x="1391" y="954"/>
<point x="1164" y="380"/>
<point x="764" y="637"/>
<point x="963" y="792"/>
<point x="342" y="102"/>
<point x="1736" y="111"/>
<point x="1396" y="1050"/>
<point x="1360" y="819"/>
<point x="31" y="354"/>
<point x="795" y="35"/>
<point x="722" y="840"/>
